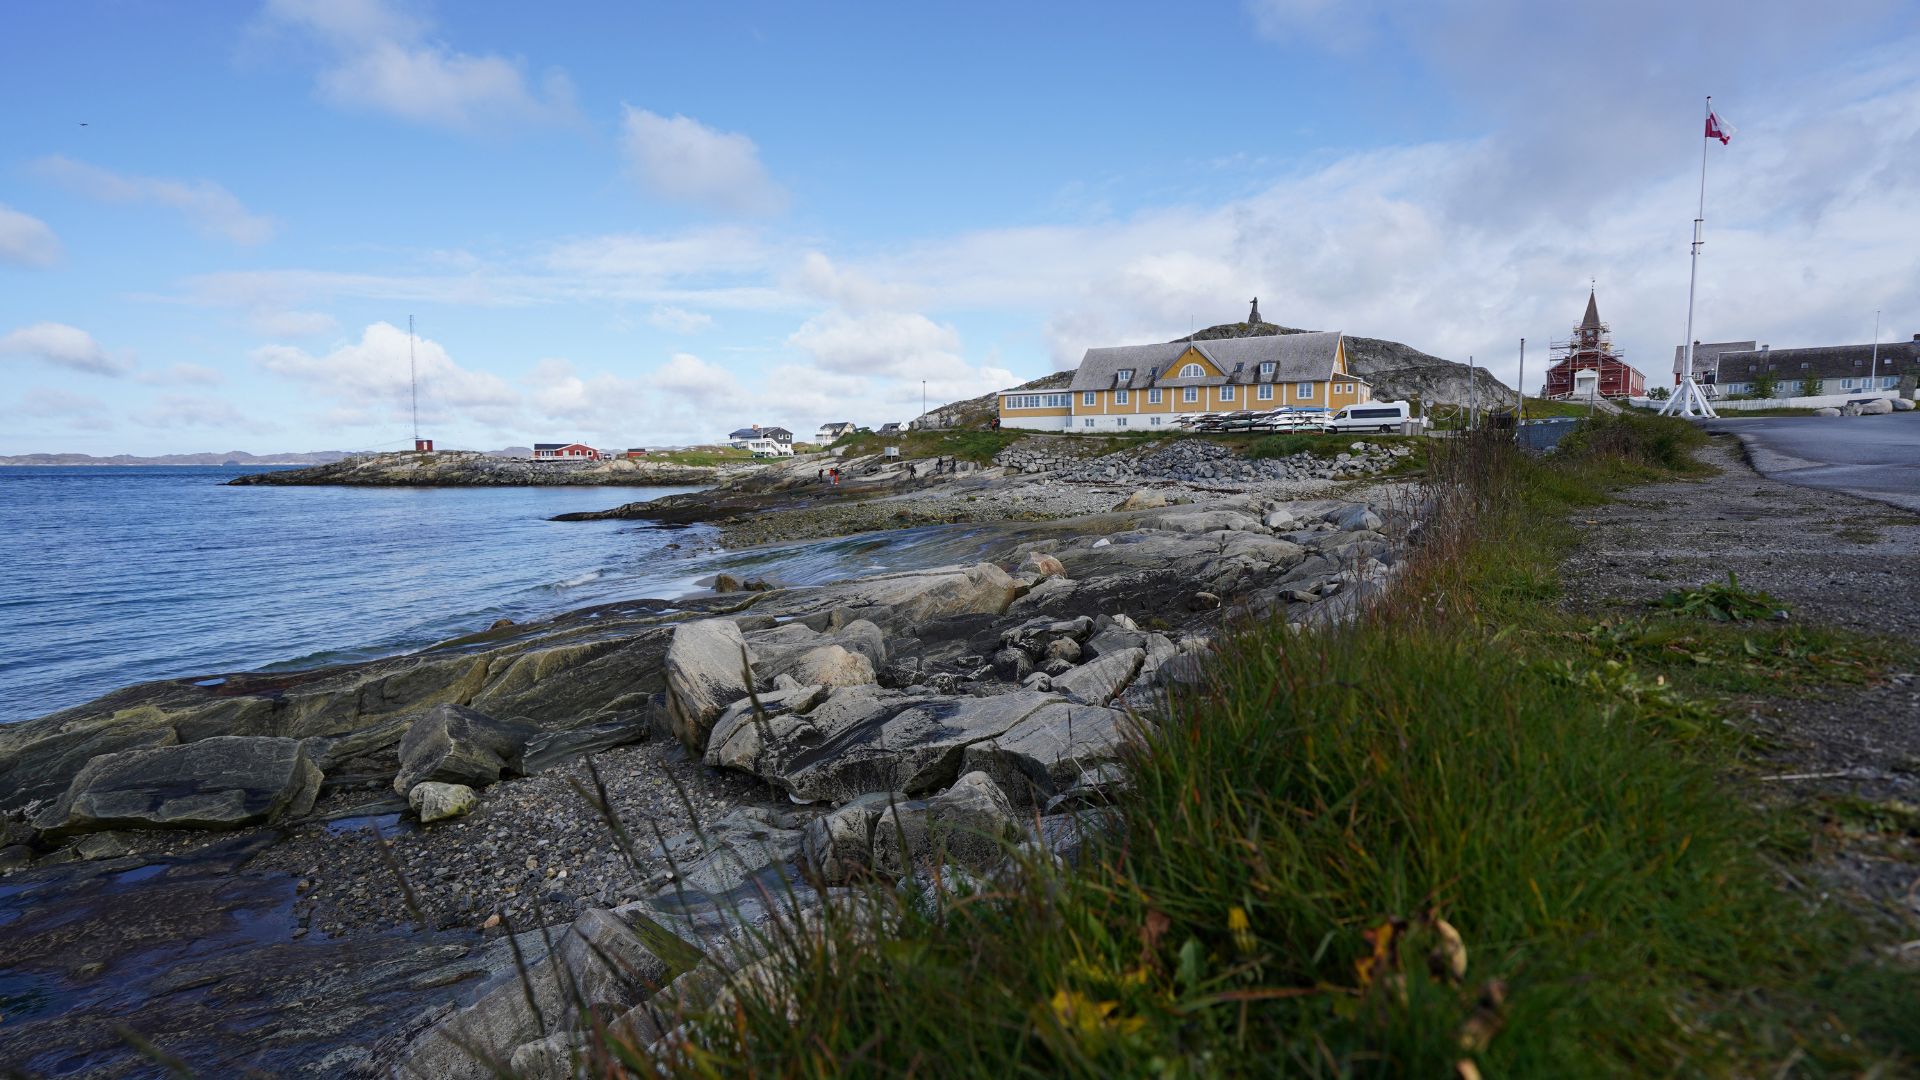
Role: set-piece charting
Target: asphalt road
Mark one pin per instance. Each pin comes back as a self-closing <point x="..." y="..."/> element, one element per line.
<point x="1874" y="457"/>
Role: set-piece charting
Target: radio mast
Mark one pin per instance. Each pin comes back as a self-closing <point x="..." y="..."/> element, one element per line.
<point x="413" y="380"/>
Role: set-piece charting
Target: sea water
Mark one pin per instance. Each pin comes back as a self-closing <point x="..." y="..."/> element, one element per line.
<point x="111" y="576"/>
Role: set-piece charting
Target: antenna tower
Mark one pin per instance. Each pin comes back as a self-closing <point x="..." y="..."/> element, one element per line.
<point x="413" y="380"/>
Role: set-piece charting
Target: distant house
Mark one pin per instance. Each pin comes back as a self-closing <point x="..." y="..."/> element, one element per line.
<point x="1130" y="387"/>
<point x="892" y="429"/>
<point x="830" y="432"/>
<point x="762" y="441"/>
<point x="1830" y="369"/>
<point x="573" y="451"/>
<point x="636" y="452"/>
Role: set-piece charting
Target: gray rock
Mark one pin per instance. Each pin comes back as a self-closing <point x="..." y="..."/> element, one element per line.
<point x="1063" y="648"/>
<point x="1876" y="407"/>
<point x="1902" y="405"/>
<point x="1102" y="680"/>
<point x="1143" y="500"/>
<point x="971" y="824"/>
<point x="1278" y="520"/>
<point x="735" y="738"/>
<point x="864" y="739"/>
<point x="452" y="744"/>
<point x="706" y="669"/>
<point x="1353" y="518"/>
<point x="739" y="847"/>
<point x="1044" y="565"/>
<point x="839" y="846"/>
<point x="1204" y="521"/>
<point x="223" y="782"/>
<point x="1012" y="664"/>
<point x="604" y="962"/>
<point x="433" y="801"/>
<point x="1203" y="601"/>
<point x="1049" y="752"/>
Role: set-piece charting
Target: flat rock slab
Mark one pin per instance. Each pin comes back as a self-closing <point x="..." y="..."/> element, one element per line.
<point x="223" y="782"/>
<point x="863" y="740"/>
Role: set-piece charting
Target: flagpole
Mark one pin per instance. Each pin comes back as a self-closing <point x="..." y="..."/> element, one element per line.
<point x="1682" y="402"/>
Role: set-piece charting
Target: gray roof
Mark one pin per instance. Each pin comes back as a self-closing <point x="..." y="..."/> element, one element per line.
<point x="1820" y="362"/>
<point x="777" y="434"/>
<point x="1296" y="358"/>
<point x="1705" y="353"/>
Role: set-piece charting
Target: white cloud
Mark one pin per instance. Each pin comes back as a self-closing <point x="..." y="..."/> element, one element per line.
<point x="373" y="374"/>
<point x="63" y="346"/>
<point x="291" y="324"/>
<point x="679" y="320"/>
<point x="698" y="382"/>
<point x="379" y="60"/>
<point x="879" y="343"/>
<point x="189" y="411"/>
<point x="25" y="240"/>
<point x="77" y="411"/>
<point x="182" y="375"/>
<point x="680" y="159"/>
<point x="213" y="208"/>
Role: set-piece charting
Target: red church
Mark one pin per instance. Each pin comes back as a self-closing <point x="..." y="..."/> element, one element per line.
<point x="1591" y="347"/>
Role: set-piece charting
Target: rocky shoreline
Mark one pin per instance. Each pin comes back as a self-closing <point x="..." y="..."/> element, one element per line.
<point x="791" y="733"/>
<point x="470" y="468"/>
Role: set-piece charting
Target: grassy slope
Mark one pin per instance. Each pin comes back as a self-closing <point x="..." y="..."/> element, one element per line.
<point x="1554" y="791"/>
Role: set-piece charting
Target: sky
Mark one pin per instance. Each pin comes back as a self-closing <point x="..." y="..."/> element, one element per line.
<point x="645" y="224"/>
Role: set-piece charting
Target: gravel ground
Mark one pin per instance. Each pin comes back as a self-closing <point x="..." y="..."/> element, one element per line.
<point x="1846" y="756"/>
<point x="534" y="851"/>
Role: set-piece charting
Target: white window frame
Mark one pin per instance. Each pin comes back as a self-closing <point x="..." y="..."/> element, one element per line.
<point x="1303" y="391"/>
<point x="1091" y="397"/>
<point x="1193" y="371"/>
<point x="1266" y="369"/>
<point x="1120" y="422"/>
<point x="1088" y="422"/>
<point x="1846" y="384"/>
<point x="1226" y="393"/>
<point x="1190" y="394"/>
<point x="1119" y="397"/>
<point x="1154" y="421"/>
<point x="1265" y="393"/>
<point x="1153" y="396"/>
<point x="1125" y="374"/>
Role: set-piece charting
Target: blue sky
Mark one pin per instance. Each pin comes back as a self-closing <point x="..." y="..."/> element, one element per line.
<point x="649" y="224"/>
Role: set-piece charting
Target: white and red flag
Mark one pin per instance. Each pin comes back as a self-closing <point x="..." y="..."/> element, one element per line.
<point x="1718" y="128"/>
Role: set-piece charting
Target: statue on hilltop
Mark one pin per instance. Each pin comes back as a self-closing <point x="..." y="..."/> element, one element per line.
<point x="1253" y="317"/>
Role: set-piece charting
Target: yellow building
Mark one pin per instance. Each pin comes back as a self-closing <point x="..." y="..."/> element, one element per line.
<point x="1131" y="387"/>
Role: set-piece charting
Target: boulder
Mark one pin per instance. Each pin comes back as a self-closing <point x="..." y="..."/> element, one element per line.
<point x="1278" y="520"/>
<point x="432" y="801"/>
<point x="1012" y="664"/>
<point x="1044" y="565"/>
<point x="1876" y="407"/>
<point x="1143" y="500"/>
<point x="1204" y="521"/>
<point x="735" y="739"/>
<point x="839" y="846"/>
<point x="865" y="739"/>
<point x="1902" y="405"/>
<point x="900" y="603"/>
<point x="706" y="669"/>
<point x="739" y="847"/>
<point x="1353" y="518"/>
<point x="452" y="744"/>
<point x="971" y="824"/>
<point x="831" y="665"/>
<point x="1063" y="648"/>
<point x="224" y="782"/>
<point x="1826" y="412"/>
<point x="1050" y="752"/>
<point x="1102" y="680"/>
<point x="788" y="648"/>
<point x="726" y="583"/>
<point x="603" y="963"/>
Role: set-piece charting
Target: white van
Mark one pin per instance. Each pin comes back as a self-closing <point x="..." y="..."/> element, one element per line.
<point x="1372" y="416"/>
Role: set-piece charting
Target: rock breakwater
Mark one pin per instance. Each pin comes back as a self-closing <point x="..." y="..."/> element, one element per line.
<point x="466" y="468"/>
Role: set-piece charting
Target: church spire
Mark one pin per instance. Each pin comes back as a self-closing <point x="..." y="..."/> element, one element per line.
<point x="1592" y="321"/>
<point x="1253" y="317"/>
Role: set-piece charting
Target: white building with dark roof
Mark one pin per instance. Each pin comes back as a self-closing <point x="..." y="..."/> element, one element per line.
<point x="1131" y="387"/>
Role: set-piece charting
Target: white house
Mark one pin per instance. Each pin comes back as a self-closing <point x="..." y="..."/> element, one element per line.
<point x="762" y="442"/>
<point x="830" y="432"/>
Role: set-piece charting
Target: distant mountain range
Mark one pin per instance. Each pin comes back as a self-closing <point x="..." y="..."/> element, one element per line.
<point x="231" y="457"/>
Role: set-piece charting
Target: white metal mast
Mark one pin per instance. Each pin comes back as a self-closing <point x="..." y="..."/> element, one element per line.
<point x="413" y="380"/>
<point x="1687" y="399"/>
<point x="1873" y="377"/>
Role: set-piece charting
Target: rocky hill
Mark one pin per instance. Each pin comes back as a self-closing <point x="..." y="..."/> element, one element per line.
<point x="1395" y="371"/>
<point x="976" y="412"/>
<point x="231" y="457"/>
<point x="471" y="468"/>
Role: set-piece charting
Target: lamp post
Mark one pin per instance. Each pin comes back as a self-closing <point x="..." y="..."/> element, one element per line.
<point x="1873" y="373"/>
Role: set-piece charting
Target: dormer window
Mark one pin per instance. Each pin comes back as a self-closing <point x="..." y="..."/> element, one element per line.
<point x="1266" y="369"/>
<point x="1192" y="371"/>
<point x="1124" y="375"/>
